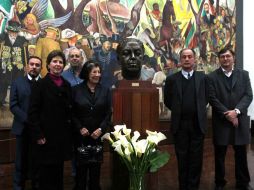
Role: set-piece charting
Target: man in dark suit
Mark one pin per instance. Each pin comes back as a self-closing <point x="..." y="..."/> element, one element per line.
<point x="230" y="94"/>
<point x="185" y="94"/>
<point x="208" y="18"/>
<point x="19" y="102"/>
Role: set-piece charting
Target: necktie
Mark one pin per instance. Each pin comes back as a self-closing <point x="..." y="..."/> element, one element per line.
<point x="188" y="76"/>
<point x="33" y="80"/>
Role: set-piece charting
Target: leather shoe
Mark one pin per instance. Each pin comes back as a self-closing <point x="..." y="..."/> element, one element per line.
<point x="218" y="187"/>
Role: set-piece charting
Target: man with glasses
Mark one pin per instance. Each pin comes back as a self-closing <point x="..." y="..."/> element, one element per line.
<point x="75" y="59"/>
<point x="230" y="95"/>
<point x="19" y="101"/>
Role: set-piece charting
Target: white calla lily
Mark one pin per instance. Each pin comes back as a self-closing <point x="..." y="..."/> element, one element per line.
<point x="155" y="137"/>
<point x="127" y="153"/>
<point x="107" y="137"/>
<point x="135" y="136"/>
<point x="118" y="149"/>
<point x="124" y="141"/>
<point x="140" y="147"/>
<point x="126" y="131"/>
<point x="116" y="134"/>
<point x="117" y="143"/>
<point x="136" y="153"/>
<point x="119" y="127"/>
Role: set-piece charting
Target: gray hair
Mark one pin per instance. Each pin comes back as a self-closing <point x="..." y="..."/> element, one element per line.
<point x="82" y="53"/>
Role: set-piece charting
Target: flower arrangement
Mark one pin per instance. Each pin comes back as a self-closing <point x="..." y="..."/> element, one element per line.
<point x="140" y="156"/>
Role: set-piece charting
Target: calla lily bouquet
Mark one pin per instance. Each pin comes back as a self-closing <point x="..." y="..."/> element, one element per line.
<point x="140" y="156"/>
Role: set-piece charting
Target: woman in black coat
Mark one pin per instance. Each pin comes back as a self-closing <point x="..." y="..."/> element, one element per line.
<point x="49" y="119"/>
<point x="92" y="116"/>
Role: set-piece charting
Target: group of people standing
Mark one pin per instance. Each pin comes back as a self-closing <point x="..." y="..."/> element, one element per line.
<point x="67" y="109"/>
<point x="187" y="93"/>
<point x="49" y="115"/>
<point x="61" y="113"/>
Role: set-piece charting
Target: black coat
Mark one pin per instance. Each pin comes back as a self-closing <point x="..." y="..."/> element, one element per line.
<point x="91" y="112"/>
<point x="173" y="99"/>
<point x="223" y="98"/>
<point x="49" y="116"/>
<point x="19" y="102"/>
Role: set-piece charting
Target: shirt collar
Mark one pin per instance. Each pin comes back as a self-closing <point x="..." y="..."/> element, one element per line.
<point x="227" y="73"/>
<point x="30" y="78"/>
<point x="185" y="73"/>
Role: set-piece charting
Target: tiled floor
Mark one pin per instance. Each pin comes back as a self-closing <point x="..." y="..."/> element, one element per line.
<point x="167" y="176"/>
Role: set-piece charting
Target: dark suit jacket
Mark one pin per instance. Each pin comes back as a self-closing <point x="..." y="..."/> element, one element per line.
<point x="92" y="113"/>
<point x="173" y="99"/>
<point x="49" y="116"/>
<point x="19" y="102"/>
<point x="209" y="21"/>
<point x="223" y="97"/>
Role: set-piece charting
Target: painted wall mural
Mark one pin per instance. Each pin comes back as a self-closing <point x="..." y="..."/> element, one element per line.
<point x="165" y="27"/>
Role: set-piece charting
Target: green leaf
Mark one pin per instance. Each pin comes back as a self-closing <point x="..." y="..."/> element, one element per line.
<point x="158" y="159"/>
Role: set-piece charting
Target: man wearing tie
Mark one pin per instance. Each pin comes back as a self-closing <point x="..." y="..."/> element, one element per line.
<point x="185" y="94"/>
<point x="230" y="95"/>
<point x="19" y="101"/>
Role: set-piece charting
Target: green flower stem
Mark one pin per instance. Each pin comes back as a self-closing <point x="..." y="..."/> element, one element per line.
<point x="136" y="181"/>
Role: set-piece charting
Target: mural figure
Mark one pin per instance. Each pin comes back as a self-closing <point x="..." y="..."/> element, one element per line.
<point x="45" y="45"/>
<point x="107" y="59"/>
<point x="165" y="27"/>
<point x="13" y="58"/>
<point x="33" y="22"/>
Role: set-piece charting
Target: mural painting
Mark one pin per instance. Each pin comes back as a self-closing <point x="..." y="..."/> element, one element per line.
<point x="165" y="27"/>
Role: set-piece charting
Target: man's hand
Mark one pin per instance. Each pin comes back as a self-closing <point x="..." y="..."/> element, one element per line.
<point x="231" y="116"/>
<point x="235" y="122"/>
<point x="41" y="141"/>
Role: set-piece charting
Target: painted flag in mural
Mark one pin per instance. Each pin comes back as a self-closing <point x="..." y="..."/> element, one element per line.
<point x="6" y="13"/>
<point x="190" y="38"/>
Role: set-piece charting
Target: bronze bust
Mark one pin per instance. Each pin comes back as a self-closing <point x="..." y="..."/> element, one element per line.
<point x="130" y="53"/>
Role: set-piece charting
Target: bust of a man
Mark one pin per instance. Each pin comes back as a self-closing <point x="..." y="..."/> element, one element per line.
<point x="130" y="54"/>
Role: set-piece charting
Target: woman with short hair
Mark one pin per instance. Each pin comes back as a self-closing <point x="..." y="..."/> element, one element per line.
<point x="49" y="120"/>
<point x="91" y="115"/>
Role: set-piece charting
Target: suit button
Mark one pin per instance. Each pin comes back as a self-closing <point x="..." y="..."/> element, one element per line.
<point x="68" y="121"/>
<point x="70" y="106"/>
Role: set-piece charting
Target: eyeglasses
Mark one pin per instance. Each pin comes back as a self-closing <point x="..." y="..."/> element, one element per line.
<point x="75" y="55"/>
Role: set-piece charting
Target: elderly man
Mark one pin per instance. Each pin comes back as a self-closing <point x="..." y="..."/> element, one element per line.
<point x="186" y="95"/>
<point x="75" y="59"/>
<point x="13" y="58"/>
<point x="19" y="101"/>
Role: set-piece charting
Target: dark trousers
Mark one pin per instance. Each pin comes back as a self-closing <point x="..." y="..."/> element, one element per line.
<point x="25" y="163"/>
<point x="92" y="171"/>
<point x="189" y="141"/>
<point x="51" y="176"/>
<point x="241" y="166"/>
